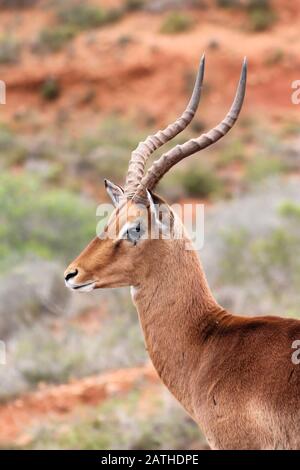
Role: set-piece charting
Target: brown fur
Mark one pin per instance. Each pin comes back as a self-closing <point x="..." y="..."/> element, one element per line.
<point x="233" y="375"/>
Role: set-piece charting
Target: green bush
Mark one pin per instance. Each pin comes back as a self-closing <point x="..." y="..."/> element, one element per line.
<point x="49" y="359"/>
<point x="43" y="356"/>
<point x="276" y="253"/>
<point x="16" y="149"/>
<point x="12" y="151"/>
<point x="133" y="5"/>
<point x="289" y="128"/>
<point x="234" y="263"/>
<point x="261" y="15"/>
<point x="34" y="220"/>
<point x="259" y="20"/>
<point x="107" y="152"/>
<point x="10" y="49"/>
<point x="290" y="210"/>
<point x="261" y="253"/>
<point x="264" y="166"/>
<point x="18" y="3"/>
<point x="82" y="16"/>
<point x="117" y="424"/>
<point x="55" y="38"/>
<point x="7" y="138"/>
<point x="102" y="153"/>
<point x="50" y="89"/>
<point x="176" y="22"/>
<point x="199" y="182"/>
<point x="229" y="3"/>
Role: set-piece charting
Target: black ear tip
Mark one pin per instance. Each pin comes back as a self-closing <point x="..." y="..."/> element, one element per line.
<point x="105" y="182"/>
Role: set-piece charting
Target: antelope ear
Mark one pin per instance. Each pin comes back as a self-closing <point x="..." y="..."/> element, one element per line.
<point x="153" y="207"/>
<point x="114" y="191"/>
<point x="161" y="213"/>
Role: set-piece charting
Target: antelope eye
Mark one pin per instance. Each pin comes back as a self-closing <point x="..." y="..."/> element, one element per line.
<point x="134" y="233"/>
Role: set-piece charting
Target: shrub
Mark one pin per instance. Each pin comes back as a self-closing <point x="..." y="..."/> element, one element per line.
<point x="106" y="153"/>
<point x="117" y="424"/>
<point x="35" y="299"/>
<point x="255" y="239"/>
<point x="7" y="138"/>
<point x="41" y="356"/>
<point x="199" y="182"/>
<point x="50" y="89"/>
<point x="124" y="40"/>
<point x="45" y="344"/>
<point x="229" y="3"/>
<point x="234" y="263"/>
<point x="263" y="167"/>
<point x="55" y="38"/>
<point x="176" y="22"/>
<point x="261" y="14"/>
<point x="290" y="210"/>
<point x="133" y="5"/>
<point x="277" y="260"/>
<point x="9" y="50"/>
<point x="47" y="223"/>
<point x="259" y="20"/>
<point x="39" y="153"/>
<point x="290" y="128"/>
<point x="18" y="3"/>
<point x="82" y="16"/>
<point x="12" y="150"/>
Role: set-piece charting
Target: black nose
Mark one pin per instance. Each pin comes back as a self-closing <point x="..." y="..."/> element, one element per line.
<point x="71" y="274"/>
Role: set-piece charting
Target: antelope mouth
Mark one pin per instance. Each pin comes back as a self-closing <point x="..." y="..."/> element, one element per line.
<point x="86" y="287"/>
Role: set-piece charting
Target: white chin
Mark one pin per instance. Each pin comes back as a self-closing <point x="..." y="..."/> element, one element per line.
<point x="84" y="288"/>
<point x="88" y="288"/>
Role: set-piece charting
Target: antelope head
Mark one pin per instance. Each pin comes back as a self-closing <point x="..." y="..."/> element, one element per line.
<point x="126" y="251"/>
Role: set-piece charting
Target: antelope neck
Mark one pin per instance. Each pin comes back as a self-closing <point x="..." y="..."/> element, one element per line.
<point x="177" y="313"/>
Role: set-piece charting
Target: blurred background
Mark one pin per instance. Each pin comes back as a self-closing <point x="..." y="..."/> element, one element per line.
<point x="86" y="80"/>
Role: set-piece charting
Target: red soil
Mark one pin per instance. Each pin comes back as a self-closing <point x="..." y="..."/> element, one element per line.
<point x="149" y="77"/>
<point x="55" y="401"/>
